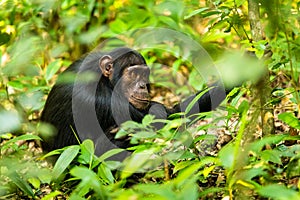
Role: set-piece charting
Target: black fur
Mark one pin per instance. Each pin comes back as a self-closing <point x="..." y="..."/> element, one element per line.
<point x="97" y="107"/>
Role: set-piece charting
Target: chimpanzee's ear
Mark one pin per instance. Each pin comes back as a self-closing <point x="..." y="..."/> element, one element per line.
<point x="106" y="65"/>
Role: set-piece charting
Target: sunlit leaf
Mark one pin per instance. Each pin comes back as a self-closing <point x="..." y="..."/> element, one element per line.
<point x="118" y="26"/>
<point x="16" y="84"/>
<point x="239" y="2"/>
<point x="36" y="183"/>
<point x="51" y="195"/>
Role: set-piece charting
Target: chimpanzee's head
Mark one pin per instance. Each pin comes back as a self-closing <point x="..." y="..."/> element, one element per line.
<point x="130" y="67"/>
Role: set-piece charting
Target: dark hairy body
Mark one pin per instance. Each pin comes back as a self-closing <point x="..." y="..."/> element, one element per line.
<point x="119" y="91"/>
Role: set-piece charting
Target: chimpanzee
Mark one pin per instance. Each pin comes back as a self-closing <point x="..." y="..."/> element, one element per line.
<point x="118" y="92"/>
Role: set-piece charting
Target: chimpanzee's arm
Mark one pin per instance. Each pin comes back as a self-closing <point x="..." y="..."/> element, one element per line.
<point x="207" y="102"/>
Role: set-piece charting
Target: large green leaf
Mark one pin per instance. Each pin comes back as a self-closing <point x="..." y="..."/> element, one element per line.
<point x="279" y="192"/>
<point x="290" y="119"/>
<point x="64" y="160"/>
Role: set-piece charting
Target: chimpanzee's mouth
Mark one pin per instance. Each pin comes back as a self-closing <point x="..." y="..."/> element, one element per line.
<point x="140" y="99"/>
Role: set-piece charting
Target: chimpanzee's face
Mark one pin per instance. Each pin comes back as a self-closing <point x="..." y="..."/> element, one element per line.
<point x="134" y="77"/>
<point x="135" y="85"/>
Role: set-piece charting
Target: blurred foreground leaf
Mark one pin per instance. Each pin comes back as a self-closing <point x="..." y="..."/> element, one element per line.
<point x="22" y="184"/>
<point x="235" y="69"/>
<point x="279" y="192"/>
<point x="4" y="38"/>
<point x="10" y="121"/>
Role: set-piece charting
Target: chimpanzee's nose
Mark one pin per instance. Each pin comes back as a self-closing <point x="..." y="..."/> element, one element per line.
<point x="142" y="86"/>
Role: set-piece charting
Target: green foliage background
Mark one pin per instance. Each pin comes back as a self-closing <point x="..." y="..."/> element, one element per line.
<point x="40" y="38"/>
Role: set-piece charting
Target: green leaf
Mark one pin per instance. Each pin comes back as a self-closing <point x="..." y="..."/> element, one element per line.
<point x="293" y="168"/>
<point x="211" y="191"/>
<point x="189" y="189"/>
<point x="259" y="144"/>
<point x="109" y="153"/>
<point x="290" y="119"/>
<point x="4" y="38"/>
<point x="226" y="156"/>
<point x="91" y="35"/>
<point x="105" y="173"/>
<point x="121" y="133"/>
<point x="210" y="13"/>
<point x="239" y="2"/>
<point x="87" y="152"/>
<point x="89" y="180"/>
<point x="36" y="183"/>
<point x="168" y="21"/>
<point x="195" y="100"/>
<point x="195" y="12"/>
<point x="22" y="184"/>
<point x="19" y="138"/>
<point x="192" y="169"/>
<point x="175" y="123"/>
<point x="183" y="164"/>
<point x="156" y="191"/>
<point x="118" y="26"/>
<point x="271" y="155"/>
<point x="135" y="162"/>
<point x="195" y="80"/>
<point x="172" y="9"/>
<point x="248" y="174"/>
<point x="52" y="68"/>
<point x="23" y="53"/>
<point x="51" y="195"/>
<point x="53" y="153"/>
<point x="64" y="160"/>
<point x="16" y="84"/>
<point x="206" y="137"/>
<point x="239" y="93"/>
<point x="144" y="134"/>
<point x="243" y="107"/>
<point x="147" y="120"/>
<point x="279" y="192"/>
